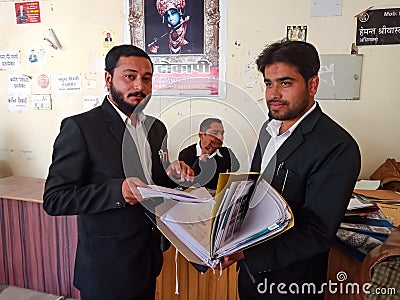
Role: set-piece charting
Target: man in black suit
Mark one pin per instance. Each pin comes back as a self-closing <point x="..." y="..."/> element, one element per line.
<point x="22" y="16"/>
<point x="108" y="37"/>
<point x="100" y="157"/>
<point x="208" y="158"/>
<point x="313" y="162"/>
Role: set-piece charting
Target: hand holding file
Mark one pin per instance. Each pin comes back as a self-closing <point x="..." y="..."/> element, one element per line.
<point x="245" y="212"/>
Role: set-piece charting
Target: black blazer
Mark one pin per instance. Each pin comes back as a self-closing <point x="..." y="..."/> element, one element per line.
<point x="321" y="163"/>
<point x="118" y="251"/>
<point x="207" y="172"/>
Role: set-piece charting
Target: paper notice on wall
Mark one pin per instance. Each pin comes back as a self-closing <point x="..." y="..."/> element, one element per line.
<point x="18" y="103"/>
<point x="19" y="84"/>
<point x="36" y="55"/>
<point x="90" y="102"/>
<point x="68" y="84"/>
<point x="10" y="60"/>
<point x="41" y="84"/>
<point x="19" y="90"/>
<point x="41" y="102"/>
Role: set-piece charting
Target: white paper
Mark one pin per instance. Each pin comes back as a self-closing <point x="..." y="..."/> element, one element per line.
<point x="71" y="83"/>
<point x="41" y="102"/>
<point x="158" y="191"/>
<point x="19" y="84"/>
<point x="192" y="224"/>
<point x="18" y="103"/>
<point x="367" y="184"/>
<point x="355" y="204"/>
<point x="90" y="102"/>
<point x="269" y="208"/>
<point x="10" y="60"/>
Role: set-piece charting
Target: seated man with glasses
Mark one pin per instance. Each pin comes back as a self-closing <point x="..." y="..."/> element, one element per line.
<point x="208" y="158"/>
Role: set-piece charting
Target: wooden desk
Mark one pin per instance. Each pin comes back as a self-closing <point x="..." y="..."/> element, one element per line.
<point x="22" y="188"/>
<point x="37" y="251"/>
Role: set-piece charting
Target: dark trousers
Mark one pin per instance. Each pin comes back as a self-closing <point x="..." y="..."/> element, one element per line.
<point x="262" y="289"/>
<point x="147" y="294"/>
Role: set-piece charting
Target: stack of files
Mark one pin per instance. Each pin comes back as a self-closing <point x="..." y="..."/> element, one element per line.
<point x="391" y="212"/>
<point x="378" y="196"/>
<point x="245" y="213"/>
<point x="359" y="207"/>
<point x="362" y="233"/>
<point x="367" y="191"/>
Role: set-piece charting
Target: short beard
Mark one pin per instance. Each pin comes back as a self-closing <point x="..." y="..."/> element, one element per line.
<point x="292" y="113"/>
<point x="126" y="107"/>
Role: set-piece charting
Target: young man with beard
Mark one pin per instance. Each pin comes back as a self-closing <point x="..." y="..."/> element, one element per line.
<point x="100" y="157"/>
<point x="313" y="162"/>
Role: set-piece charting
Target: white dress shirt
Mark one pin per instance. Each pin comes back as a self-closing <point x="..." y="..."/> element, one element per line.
<point x="277" y="140"/>
<point x="139" y="136"/>
<point x="199" y="151"/>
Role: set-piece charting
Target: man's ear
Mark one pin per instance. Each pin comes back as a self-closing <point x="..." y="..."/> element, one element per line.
<point x="201" y="135"/>
<point x="313" y="83"/>
<point x="108" y="78"/>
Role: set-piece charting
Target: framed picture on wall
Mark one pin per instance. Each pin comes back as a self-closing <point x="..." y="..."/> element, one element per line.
<point x="296" y="33"/>
<point x="174" y="27"/>
<point x="183" y="39"/>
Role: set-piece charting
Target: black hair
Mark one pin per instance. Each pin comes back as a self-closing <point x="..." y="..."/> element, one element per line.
<point x="302" y="55"/>
<point x="206" y="123"/>
<point x="116" y="52"/>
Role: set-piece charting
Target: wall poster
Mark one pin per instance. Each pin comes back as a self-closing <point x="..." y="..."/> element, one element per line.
<point x="296" y="33"/>
<point x="27" y="12"/>
<point x="183" y="38"/>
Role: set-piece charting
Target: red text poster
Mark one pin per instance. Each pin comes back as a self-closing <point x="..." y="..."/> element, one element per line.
<point x="27" y="12"/>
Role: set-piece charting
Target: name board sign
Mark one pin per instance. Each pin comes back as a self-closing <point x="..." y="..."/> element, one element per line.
<point x="378" y="27"/>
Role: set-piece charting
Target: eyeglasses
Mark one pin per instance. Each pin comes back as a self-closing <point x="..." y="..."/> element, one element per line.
<point x="215" y="132"/>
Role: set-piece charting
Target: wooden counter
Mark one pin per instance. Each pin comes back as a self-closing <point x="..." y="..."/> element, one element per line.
<point x="38" y="252"/>
<point x="22" y="188"/>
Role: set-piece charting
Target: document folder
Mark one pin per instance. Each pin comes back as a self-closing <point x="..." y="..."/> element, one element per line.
<point x="246" y="212"/>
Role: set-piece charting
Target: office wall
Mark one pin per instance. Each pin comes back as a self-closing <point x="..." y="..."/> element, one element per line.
<point x="26" y="138"/>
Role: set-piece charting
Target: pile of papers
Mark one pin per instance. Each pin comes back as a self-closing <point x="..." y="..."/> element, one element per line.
<point x="359" y="235"/>
<point x="368" y="192"/>
<point x="200" y="195"/>
<point x="367" y="222"/>
<point x="244" y="213"/>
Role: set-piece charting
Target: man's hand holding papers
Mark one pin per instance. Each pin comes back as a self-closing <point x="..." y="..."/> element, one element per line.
<point x="245" y="212"/>
<point x="199" y="195"/>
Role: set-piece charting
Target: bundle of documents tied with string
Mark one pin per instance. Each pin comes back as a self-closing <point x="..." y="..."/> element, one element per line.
<point x="245" y="211"/>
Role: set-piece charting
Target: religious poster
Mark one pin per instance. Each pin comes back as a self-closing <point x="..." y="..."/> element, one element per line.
<point x="183" y="40"/>
<point x="27" y="12"/>
<point x="296" y="33"/>
<point x="378" y="27"/>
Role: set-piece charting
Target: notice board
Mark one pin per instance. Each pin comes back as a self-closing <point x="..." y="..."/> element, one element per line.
<point x="339" y="77"/>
